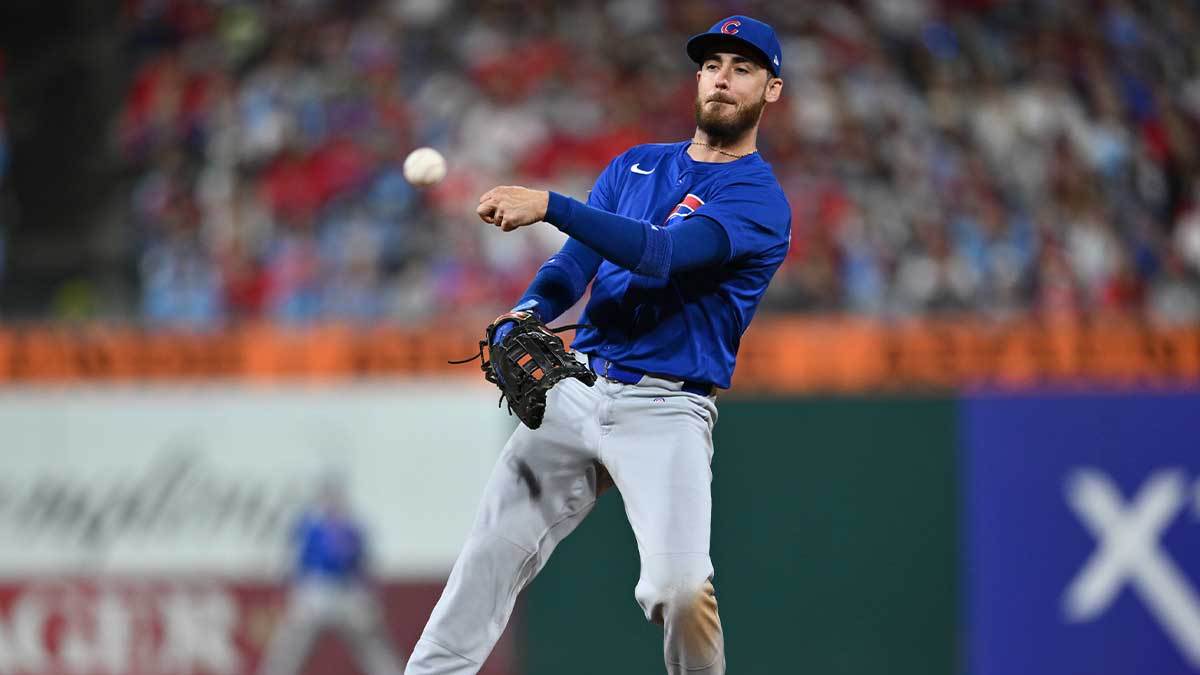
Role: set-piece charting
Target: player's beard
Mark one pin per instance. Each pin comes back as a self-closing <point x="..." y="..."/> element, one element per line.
<point x="724" y="129"/>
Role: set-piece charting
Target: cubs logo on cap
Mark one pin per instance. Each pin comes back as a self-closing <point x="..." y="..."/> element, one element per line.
<point x="743" y="29"/>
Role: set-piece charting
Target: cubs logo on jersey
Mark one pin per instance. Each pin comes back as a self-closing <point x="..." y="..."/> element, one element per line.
<point x="684" y="208"/>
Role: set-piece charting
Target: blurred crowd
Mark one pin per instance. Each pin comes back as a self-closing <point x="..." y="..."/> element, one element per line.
<point x="4" y="153"/>
<point x="940" y="156"/>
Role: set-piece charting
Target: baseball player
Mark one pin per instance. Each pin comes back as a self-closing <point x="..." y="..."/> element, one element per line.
<point x="678" y="242"/>
<point x="330" y="591"/>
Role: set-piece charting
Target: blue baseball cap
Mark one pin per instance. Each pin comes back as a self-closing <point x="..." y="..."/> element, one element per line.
<point x="742" y="29"/>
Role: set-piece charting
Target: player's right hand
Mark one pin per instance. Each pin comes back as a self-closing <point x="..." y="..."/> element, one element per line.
<point x="512" y="206"/>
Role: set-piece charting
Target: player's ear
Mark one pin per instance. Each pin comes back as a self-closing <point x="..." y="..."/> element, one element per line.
<point x="774" y="89"/>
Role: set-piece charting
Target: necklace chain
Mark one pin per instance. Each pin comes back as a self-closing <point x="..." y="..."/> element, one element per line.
<point x="727" y="154"/>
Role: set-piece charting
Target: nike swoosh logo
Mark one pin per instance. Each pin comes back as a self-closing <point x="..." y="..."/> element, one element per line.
<point x="635" y="169"/>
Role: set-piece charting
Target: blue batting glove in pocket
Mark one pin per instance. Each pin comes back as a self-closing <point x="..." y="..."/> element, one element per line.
<point x="505" y="328"/>
<point x="502" y="331"/>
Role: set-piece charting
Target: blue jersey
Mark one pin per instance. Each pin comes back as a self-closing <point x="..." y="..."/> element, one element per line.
<point x="689" y="325"/>
<point x="329" y="546"/>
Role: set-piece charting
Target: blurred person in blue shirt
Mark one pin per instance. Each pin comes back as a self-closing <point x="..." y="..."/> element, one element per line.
<point x="331" y="589"/>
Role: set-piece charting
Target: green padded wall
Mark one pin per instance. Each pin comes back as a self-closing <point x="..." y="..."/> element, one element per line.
<point x="834" y="541"/>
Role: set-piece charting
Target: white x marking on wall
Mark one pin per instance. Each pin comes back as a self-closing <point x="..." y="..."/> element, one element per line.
<point x="1128" y="550"/>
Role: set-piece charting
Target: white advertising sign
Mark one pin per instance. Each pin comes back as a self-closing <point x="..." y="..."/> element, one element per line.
<point x="208" y="480"/>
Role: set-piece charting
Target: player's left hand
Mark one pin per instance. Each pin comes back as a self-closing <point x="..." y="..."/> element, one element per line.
<point x="511" y="206"/>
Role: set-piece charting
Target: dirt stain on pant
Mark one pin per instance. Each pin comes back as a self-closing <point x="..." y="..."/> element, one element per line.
<point x="694" y="638"/>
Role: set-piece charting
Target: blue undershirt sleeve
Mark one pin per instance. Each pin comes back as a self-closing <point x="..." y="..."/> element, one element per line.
<point x="637" y="245"/>
<point x="560" y="281"/>
<point x="698" y="242"/>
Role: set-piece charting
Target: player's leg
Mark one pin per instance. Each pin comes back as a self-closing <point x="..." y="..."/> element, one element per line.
<point x="290" y="643"/>
<point x="658" y="453"/>
<point x="542" y="487"/>
<point x="363" y="627"/>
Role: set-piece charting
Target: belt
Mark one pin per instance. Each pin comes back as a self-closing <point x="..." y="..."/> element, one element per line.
<point x="615" y="371"/>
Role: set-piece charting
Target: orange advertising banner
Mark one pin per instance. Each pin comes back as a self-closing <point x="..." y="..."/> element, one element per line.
<point x="778" y="354"/>
<point x="850" y="355"/>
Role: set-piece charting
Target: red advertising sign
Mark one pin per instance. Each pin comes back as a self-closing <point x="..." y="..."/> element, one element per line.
<point x="110" y="626"/>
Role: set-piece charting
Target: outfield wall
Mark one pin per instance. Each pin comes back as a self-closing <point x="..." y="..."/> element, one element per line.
<point x="987" y="533"/>
<point x="143" y="529"/>
<point x="834" y="541"/>
<point x="1041" y="533"/>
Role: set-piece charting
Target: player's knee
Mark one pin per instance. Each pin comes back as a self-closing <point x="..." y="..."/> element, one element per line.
<point x="683" y="601"/>
<point x="689" y="603"/>
<point x="673" y="588"/>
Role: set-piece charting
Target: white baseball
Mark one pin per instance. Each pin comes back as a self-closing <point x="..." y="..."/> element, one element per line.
<point x="424" y="167"/>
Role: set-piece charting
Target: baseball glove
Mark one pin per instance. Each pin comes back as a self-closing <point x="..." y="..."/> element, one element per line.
<point x="526" y="363"/>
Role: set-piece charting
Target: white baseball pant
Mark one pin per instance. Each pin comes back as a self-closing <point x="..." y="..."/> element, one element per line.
<point x="656" y="443"/>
